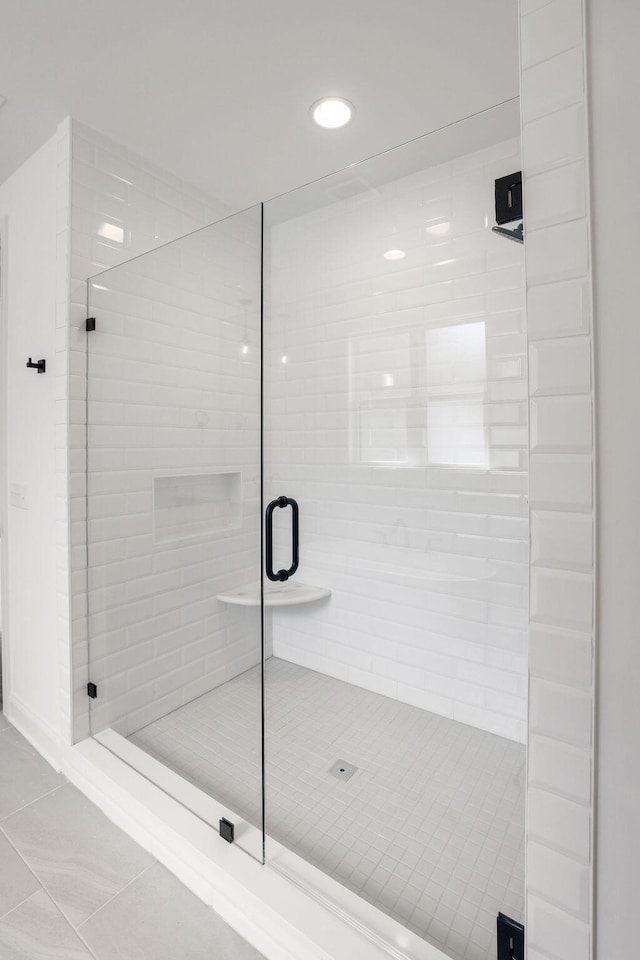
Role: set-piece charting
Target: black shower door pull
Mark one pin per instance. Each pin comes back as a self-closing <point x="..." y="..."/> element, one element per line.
<point x="281" y="574"/>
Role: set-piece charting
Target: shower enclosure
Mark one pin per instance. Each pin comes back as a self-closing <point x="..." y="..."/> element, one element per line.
<point x="307" y="533"/>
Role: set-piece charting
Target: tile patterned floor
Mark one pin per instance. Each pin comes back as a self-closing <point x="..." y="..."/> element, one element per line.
<point x="431" y="827"/>
<point x="74" y="887"/>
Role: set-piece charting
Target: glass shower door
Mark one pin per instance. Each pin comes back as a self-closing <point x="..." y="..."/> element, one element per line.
<point x="395" y="411"/>
<point x="174" y="519"/>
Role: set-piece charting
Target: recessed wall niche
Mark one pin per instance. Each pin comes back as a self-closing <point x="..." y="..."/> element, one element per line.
<point x="195" y="505"/>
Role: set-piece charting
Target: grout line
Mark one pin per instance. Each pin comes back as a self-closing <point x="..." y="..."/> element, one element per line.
<point x="554" y="56"/>
<point x="42" y="887"/>
<point x="27" y="865"/>
<point x="73" y="929"/>
<point x="31" y="802"/>
<point x="115" y="895"/>
<point x="18" y="905"/>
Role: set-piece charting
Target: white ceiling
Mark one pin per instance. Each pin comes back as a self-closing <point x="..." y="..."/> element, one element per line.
<point x="218" y="91"/>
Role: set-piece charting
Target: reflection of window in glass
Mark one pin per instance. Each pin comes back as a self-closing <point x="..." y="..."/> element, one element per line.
<point x="383" y="434"/>
<point x="456" y="381"/>
<point x="380" y="386"/>
<point x="417" y="397"/>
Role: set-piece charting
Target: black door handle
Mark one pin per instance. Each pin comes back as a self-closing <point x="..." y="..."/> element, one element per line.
<point x="281" y="574"/>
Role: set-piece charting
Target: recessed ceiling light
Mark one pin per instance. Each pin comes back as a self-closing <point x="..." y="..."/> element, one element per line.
<point x="394" y="255"/>
<point x="332" y="112"/>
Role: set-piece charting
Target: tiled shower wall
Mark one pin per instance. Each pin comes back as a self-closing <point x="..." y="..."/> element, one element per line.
<point x="174" y="473"/>
<point x="121" y="206"/>
<point x="396" y="414"/>
<point x="560" y="794"/>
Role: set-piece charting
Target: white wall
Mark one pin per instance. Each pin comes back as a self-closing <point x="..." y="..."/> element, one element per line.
<point x="399" y="423"/>
<point x="35" y="238"/>
<point x="615" y="148"/>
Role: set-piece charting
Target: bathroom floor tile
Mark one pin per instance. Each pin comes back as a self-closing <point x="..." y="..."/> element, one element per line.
<point x="24" y="774"/>
<point x="433" y="812"/>
<point x="36" y="930"/>
<point x="17" y="882"/>
<point x="80" y="857"/>
<point x="157" y="918"/>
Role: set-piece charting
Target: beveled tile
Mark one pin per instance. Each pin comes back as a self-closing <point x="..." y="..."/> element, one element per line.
<point x="17" y="882"/>
<point x="157" y="918"/>
<point x="36" y="930"/>
<point x="79" y="856"/>
<point x="24" y="775"/>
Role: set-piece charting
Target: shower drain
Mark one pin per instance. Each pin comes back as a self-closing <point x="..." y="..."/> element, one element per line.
<point x="342" y="770"/>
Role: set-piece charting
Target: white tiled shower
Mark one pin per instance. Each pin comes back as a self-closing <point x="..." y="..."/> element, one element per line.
<point x="394" y="395"/>
<point x="173" y="472"/>
<point x="396" y="413"/>
<point x="120" y="206"/>
<point x="359" y="348"/>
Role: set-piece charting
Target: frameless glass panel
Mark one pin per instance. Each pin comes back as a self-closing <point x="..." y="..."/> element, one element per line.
<point x="396" y="417"/>
<point x="174" y="517"/>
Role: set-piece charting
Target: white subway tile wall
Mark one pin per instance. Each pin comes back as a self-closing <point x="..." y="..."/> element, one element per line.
<point x="121" y="206"/>
<point x="555" y="166"/>
<point x="174" y="473"/>
<point x="396" y="415"/>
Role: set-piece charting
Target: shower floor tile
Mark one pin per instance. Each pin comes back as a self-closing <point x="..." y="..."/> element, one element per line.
<point x="430" y="827"/>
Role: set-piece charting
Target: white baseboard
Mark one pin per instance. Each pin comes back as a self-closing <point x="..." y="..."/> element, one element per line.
<point x="272" y="907"/>
<point x="40" y="735"/>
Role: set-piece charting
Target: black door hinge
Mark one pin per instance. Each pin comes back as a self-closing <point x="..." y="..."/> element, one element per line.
<point x="227" y="830"/>
<point x="90" y="324"/>
<point x="509" y="198"/>
<point x="92" y="690"/>
<point x="510" y="938"/>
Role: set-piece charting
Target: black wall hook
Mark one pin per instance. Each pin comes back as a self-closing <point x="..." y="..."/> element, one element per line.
<point x="40" y="365"/>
